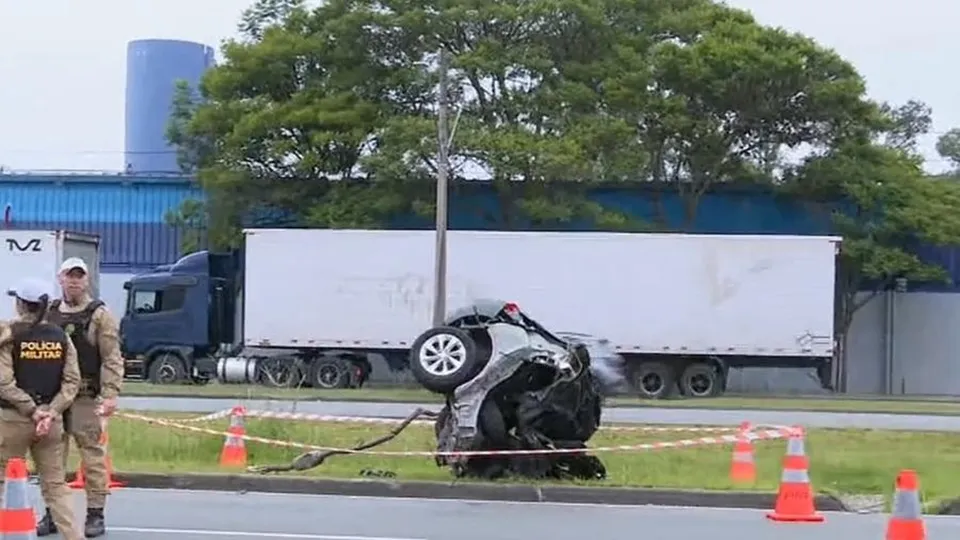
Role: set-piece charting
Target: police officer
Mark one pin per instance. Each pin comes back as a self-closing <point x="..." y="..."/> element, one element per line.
<point x="96" y="336"/>
<point x="39" y="379"/>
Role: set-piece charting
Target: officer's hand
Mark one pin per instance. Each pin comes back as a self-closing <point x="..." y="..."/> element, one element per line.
<point x="43" y="426"/>
<point x="108" y="406"/>
<point x="42" y="414"/>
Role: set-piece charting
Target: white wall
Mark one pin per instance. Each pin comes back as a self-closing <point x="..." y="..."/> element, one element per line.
<point x="111" y="292"/>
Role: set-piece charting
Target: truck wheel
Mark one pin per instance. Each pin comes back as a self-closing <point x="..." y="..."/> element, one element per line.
<point x="700" y="380"/>
<point x="443" y="358"/>
<point x="167" y="368"/>
<point x="279" y="372"/>
<point x="653" y="380"/>
<point x="330" y="373"/>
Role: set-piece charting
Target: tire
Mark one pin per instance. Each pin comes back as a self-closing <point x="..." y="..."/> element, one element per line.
<point x="330" y="373"/>
<point x="443" y="358"/>
<point x="653" y="380"/>
<point x="167" y="368"/>
<point x="200" y="381"/>
<point x="279" y="372"/>
<point x="700" y="380"/>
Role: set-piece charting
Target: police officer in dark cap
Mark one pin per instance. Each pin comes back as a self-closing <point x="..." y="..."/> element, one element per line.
<point x="39" y="379"/>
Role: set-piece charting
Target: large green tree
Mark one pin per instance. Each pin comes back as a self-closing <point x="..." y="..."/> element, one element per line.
<point x="724" y="99"/>
<point x="330" y="112"/>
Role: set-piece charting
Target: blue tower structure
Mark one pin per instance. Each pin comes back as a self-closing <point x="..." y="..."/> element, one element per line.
<point x="153" y="68"/>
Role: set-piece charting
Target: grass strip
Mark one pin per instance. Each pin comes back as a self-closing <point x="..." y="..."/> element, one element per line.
<point x="842" y="461"/>
<point x="422" y="396"/>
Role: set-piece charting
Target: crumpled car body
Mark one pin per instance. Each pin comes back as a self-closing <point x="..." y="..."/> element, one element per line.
<point x="510" y="384"/>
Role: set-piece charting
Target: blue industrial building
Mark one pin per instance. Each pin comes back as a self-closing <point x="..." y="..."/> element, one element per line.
<point x="153" y="68"/>
<point x="127" y="212"/>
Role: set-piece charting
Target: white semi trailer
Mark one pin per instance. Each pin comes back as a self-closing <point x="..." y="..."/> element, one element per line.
<point x="38" y="254"/>
<point x="681" y="309"/>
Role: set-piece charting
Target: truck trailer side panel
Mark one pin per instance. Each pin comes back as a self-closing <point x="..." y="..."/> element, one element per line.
<point x="646" y="293"/>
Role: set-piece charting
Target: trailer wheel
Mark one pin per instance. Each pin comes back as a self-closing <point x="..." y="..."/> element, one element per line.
<point x="653" y="380"/>
<point x="700" y="380"/>
<point x="330" y="373"/>
<point x="279" y="372"/>
<point x="167" y="368"/>
<point x="443" y="358"/>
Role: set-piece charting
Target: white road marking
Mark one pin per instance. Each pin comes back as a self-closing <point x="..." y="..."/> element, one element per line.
<point x="247" y="534"/>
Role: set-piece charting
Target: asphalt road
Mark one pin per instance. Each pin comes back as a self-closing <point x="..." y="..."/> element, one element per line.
<point x="187" y="515"/>
<point x="624" y="415"/>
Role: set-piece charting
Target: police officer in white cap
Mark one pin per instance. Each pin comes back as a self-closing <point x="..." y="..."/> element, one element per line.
<point x="95" y="334"/>
<point x="39" y="379"/>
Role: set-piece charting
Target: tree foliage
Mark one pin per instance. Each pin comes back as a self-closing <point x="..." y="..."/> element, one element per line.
<point x="329" y="113"/>
<point x="948" y="146"/>
<point x="905" y="124"/>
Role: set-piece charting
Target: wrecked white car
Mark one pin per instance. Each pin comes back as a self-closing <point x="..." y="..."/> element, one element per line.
<point x="510" y="384"/>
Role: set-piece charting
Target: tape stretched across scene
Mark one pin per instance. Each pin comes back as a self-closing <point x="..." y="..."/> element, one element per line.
<point x="770" y="433"/>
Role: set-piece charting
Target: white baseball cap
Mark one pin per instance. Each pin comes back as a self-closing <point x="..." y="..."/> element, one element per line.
<point x="74" y="263"/>
<point x="30" y="290"/>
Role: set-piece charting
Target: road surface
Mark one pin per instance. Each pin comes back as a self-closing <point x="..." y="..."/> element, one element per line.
<point x="190" y="515"/>
<point x="624" y="415"/>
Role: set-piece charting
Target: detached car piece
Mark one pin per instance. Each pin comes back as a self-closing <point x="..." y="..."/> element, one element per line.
<point x="510" y="384"/>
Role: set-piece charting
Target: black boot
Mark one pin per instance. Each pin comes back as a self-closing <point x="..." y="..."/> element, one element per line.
<point x="94" y="526"/>
<point x="46" y="527"/>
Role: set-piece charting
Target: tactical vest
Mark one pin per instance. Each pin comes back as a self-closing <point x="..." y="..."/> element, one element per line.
<point x="77" y="326"/>
<point x="39" y="354"/>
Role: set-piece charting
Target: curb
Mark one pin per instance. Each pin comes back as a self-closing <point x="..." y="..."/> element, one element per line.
<point x="950" y="507"/>
<point x="465" y="490"/>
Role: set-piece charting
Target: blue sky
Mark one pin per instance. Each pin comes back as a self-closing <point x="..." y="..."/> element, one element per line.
<point x="62" y="63"/>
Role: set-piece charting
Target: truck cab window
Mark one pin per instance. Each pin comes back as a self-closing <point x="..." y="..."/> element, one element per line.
<point x="169" y="299"/>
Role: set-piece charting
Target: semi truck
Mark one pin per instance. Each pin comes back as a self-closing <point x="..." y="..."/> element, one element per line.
<point x="38" y="254"/>
<point x="680" y="309"/>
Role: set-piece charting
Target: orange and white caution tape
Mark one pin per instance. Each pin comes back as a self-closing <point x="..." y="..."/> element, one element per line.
<point x="755" y="435"/>
<point x="304" y="417"/>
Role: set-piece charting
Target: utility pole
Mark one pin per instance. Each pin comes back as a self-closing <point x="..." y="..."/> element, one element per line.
<point x="443" y="173"/>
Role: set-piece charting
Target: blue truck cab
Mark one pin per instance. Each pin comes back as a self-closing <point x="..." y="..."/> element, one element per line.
<point x="177" y="317"/>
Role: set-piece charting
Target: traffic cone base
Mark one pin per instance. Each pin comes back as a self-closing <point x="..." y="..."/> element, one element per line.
<point x="233" y="454"/>
<point x="17" y="519"/>
<point x="903" y="530"/>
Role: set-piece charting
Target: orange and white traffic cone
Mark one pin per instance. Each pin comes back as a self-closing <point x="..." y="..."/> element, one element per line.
<point x="743" y="467"/>
<point x="795" y="497"/>
<point x="17" y="519"/>
<point x="79" y="482"/>
<point x="906" y="520"/>
<point x="234" y="452"/>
